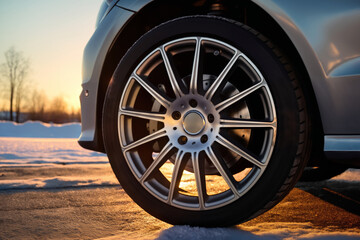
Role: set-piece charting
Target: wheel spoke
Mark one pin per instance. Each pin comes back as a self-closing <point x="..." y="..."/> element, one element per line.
<point x="156" y="135"/>
<point x="194" y="82"/>
<point x="223" y="170"/>
<point x="199" y="172"/>
<point x="176" y="174"/>
<point x="155" y="93"/>
<point x="245" y="123"/>
<point x="144" y="115"/>
<point x="169" y="69"/>
<point x="158" y="161"/>
<point x="214" y="87"/>
<point x="242" y="152"/>
<point x="187" y="94"/>
<point x="226" y="103"/>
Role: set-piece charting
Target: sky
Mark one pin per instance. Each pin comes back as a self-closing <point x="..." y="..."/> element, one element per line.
<point x="53" y="35"/>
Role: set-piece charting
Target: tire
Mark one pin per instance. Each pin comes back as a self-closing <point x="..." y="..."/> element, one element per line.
<point x="214" y="143"/>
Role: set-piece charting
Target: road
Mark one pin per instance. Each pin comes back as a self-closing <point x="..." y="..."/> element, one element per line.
<point x="310" y="210"/>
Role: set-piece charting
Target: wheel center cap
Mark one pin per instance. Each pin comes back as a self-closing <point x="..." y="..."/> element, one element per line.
<point x="193" y="122"/>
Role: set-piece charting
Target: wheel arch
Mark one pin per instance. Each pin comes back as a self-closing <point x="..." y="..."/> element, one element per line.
<point x="246" y="12"/>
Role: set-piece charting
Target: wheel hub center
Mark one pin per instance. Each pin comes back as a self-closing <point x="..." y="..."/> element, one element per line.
<point x="193" y="122"/>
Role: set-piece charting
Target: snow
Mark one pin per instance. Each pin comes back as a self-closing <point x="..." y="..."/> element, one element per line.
<point x="63" y="154"/>
<point x="36" y="129"/>
<point x="52" y="146"/>
<point x="59" y="182"/>
<point x="351" y="175"/>
<point x="261" y="231"/>
<point x="46" y="151"/>
<point x="266" y="231"/>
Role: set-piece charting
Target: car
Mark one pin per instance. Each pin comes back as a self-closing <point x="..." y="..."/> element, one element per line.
<point x="210" y="110"/>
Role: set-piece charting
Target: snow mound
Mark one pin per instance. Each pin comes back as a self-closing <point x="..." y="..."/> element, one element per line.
<point x="58" y="182"/>
<point x="36" y="129"/>
<point x="46" y="163"/>
<point x="44" y="152"/>
<point x="261" y="231"/>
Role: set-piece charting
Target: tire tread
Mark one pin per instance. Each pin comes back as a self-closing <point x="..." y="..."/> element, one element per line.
<point x="298" y="164"/>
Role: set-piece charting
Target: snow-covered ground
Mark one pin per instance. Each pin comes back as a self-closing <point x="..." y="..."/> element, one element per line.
<point x="36" y="129"/>
<point x="51" y="146"/>
<point x="66" y="162"/>
<point x="45" y="156"/>
<point x="263" y="231"/>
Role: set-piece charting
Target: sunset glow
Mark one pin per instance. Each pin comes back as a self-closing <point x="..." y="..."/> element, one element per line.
<point x="52" y="34"/>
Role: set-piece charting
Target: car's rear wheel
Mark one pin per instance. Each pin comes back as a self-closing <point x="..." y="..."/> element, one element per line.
<point x="204" y="124"/>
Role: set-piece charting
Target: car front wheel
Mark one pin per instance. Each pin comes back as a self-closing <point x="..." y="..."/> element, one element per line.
<point x="204" y="122"/>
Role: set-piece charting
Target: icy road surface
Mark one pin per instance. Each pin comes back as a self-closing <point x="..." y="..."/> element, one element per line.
<point x="54" y="189"/>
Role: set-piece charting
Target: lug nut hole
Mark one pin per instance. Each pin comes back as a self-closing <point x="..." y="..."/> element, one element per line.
<point x="193" y="103"/>
<point x="204" y="138"/>
<point x="211" y="118"/>
<point x="182" y="140"/>
<point x="176" y="115"/>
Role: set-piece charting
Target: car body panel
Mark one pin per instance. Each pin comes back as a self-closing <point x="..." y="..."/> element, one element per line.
<point x="93" y="60"/>
<point x="327" y="38"/>
<point x="325" y="35"/>
<point x="343" y="149"/>
<point x="133" y="5"/>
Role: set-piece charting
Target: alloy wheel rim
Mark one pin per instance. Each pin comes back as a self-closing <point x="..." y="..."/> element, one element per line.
<point x="190" y="122"/>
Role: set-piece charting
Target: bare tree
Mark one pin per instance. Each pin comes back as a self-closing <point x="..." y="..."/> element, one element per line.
<point x="20" y="92"/>
<point x="54" y="110"/>
<point x="58" y="105"/>
<point x="75" y="115"/>
<point x="15" y="71"/>
<point x="37" y="103"/>
<point x="58" y="110"/>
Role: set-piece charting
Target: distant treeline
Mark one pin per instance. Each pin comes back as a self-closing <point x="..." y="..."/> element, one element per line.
<point x="55" y="111"/>
<point x="53" y="116"/>
<point x="47" y="117"/>
<point x="39" y="108"/>
<point x="21" y="101"/>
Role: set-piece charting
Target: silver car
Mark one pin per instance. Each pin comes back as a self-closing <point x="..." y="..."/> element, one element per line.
<point x="210" y="110"/>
